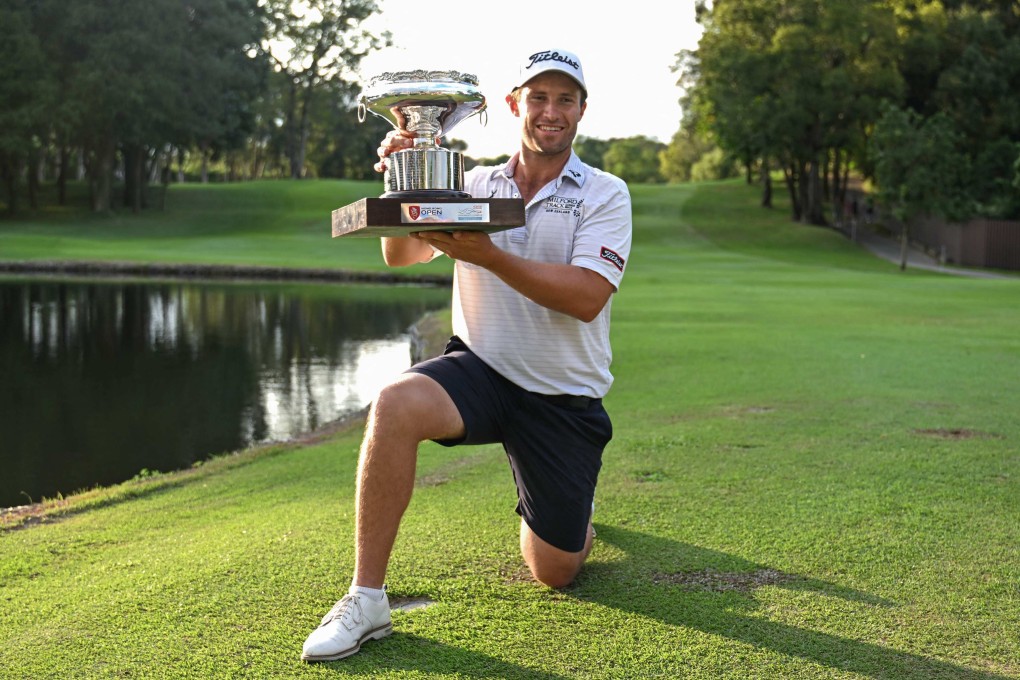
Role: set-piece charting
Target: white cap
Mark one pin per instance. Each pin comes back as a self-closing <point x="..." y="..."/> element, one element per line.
<point x="544" y="61"/>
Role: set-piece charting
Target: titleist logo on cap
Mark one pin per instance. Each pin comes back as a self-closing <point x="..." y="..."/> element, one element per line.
<point x="552" y="56"/>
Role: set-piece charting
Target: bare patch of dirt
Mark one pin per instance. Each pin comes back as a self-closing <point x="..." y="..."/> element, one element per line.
<point x="517" y="573"/>
<point x="954" y="433"/>
<point x="737" y="410"/>
<point x="649" y="476"/>
<point x="721" y="581"/>
<point x="406" y="604"/>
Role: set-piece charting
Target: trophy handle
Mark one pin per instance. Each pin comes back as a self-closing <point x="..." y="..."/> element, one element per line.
<point x="362" y="112"/>
<point x="483" y="117"/>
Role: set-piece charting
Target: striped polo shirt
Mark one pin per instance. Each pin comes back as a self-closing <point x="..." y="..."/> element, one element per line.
<point x="583" y="218"/>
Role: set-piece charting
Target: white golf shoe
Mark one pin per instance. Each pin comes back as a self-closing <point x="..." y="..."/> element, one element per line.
<point x="353" y="620"/>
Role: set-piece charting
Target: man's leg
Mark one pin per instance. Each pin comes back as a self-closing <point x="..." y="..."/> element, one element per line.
<point x="556" y="455"/>
<point x="549" y="565"/>
<point x="411" y="410"/>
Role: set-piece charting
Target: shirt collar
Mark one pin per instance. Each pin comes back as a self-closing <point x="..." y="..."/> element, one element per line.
<point x="574" y="170"/>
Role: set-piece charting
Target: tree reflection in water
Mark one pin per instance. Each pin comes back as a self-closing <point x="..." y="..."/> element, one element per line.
<point x="99" y="380"/>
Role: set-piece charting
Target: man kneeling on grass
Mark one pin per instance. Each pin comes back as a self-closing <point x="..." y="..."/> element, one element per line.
<point x="528" y="364"/>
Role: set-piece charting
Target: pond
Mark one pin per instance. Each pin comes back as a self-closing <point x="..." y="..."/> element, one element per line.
<point x="102" y="380"/>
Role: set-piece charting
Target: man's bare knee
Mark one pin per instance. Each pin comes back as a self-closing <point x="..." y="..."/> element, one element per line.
<point x="417" y="407"/>
<point x="549" y="565"/>
<point x="555" y="575"/>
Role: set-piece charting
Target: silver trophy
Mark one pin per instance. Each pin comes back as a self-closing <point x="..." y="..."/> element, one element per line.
<point x="424" y="184"/>
<point x="428" y="104"/>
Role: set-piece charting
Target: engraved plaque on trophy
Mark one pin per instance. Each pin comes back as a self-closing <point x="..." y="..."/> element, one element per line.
<point x="425" y="183"/>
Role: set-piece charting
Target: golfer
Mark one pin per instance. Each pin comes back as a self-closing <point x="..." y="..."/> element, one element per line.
<point x="528" y="364"/>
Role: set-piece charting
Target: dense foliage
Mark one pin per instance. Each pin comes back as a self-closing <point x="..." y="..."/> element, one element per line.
<point x="127" y="95"/>
<point x="108" y="90"/>
<point x="820" y="88"/>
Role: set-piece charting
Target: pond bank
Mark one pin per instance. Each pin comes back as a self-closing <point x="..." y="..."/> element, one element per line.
<point x="216" y="271"/>
<point x="55" y="509"/>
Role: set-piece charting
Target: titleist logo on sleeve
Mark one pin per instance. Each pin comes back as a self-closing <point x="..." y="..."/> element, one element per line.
<point x="552" y="56"/>
<point x="611" y="256"/>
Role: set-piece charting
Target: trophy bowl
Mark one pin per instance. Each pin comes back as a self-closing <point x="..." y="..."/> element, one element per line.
<point x="428" y="104"/>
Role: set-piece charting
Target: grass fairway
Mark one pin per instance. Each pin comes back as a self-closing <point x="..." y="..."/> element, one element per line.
<point x="815" y="474"/>
<point x="267" y="223"/>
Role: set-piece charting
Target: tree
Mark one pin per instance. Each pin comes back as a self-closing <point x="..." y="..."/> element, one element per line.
<point x="634" y="159"/>
<point x="25" y="94"/>
<point x="961" y="59"/>
<point x="692" y="141"/>
<point x="919" y="168"/>
<point x="340" y="146"/>
<point x="797" y="81"/>
<point x="730" y="85"/>
<point x="714" y="164"/>
<point x="114" y="87"/>
<point x="138" y="77"/>
<point x="223" y="76"/>
<point x="591" y="151"/>
<point x="311" y="43"/>
<point x="488" y="162"/>
<point x="683" y="151"/>
<point x="979" y="90"/>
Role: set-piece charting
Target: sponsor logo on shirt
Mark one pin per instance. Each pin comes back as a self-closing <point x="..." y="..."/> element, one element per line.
<point x="562" y="205"/>
<point x="612" y="257"/>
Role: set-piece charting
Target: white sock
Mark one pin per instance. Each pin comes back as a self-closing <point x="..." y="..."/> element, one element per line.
<point x="376" y="594"/>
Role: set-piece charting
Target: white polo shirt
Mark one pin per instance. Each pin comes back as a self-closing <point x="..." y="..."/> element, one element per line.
<point x="582" y="218"/>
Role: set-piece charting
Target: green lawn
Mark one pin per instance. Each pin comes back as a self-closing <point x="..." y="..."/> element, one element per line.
<point x="268" y="223"/>
<point x="815" y="474"/>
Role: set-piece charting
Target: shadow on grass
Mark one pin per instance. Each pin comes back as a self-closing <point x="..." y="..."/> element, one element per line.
<point x="709" y="591"/>
<point x="405" y="652"/>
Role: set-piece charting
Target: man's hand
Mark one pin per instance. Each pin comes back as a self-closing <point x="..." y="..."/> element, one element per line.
<point x="474" y="247"/>
<point x="395" y="140"/>
<point x="400" y="251"/>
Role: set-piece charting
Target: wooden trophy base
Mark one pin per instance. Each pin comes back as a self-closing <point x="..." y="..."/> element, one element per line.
<point x="404" y="216"/>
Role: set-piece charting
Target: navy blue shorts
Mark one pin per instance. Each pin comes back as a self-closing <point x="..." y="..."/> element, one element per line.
<point x="554" y="443"/>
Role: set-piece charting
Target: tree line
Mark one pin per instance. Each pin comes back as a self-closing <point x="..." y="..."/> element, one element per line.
<point x="127" y="93"/>
<point x="922" y="97"/>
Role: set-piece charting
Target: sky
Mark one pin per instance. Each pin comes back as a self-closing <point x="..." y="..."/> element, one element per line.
<point x="626" y="48"/>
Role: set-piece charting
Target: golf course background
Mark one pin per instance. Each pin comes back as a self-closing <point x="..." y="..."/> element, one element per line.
<point x="815" y="474"/>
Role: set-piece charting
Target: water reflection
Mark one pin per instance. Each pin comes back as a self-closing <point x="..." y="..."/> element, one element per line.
<point x="101" y="380"/>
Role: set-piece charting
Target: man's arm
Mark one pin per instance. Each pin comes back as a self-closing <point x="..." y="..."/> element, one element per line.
<point x="565" y="288"/>
<point x="401" y="251"/>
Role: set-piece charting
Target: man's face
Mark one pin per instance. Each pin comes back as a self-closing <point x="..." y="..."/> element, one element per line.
<point x="549" y="108"/>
